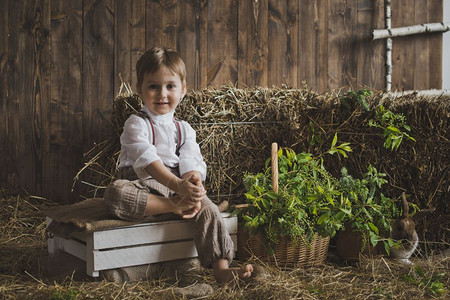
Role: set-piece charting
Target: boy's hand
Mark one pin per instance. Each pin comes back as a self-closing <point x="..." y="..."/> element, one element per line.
<point x="188" y="214"/>
<point x="191" y="193"/>
<point x="196" y="179"/>
<point x="185" y="209"/>
<point x="191" y="188"/>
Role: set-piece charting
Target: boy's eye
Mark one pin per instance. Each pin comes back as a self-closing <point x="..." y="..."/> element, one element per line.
<point x="171" y="86"/>
<point x="153" y="86"/>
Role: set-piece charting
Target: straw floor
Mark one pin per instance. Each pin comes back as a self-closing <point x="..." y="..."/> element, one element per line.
<point x="24" y="274"/>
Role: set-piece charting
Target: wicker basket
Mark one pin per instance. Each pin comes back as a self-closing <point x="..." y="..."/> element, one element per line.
<point x="287" y="252"/>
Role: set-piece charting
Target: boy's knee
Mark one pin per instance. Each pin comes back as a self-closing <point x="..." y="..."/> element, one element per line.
<point x="114" y="190"/>
<point x="125" y="200"/>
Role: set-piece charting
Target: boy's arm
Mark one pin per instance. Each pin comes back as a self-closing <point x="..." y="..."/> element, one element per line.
<point x="190" y="154"/>
<point x="194" y="174"/>
<point x="160" y="173"/>
<point x="187" y="187"/>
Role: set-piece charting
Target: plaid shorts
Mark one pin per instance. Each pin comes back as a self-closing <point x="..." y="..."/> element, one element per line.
<point x="127" y="197"/>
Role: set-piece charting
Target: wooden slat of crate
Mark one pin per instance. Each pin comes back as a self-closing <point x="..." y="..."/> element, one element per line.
<point x="145" y="254"/>
<point x="150" y="233"/>
<point x="134" y="245"/>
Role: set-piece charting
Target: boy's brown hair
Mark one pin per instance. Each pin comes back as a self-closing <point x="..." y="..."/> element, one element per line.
<point x="155" y="58"/>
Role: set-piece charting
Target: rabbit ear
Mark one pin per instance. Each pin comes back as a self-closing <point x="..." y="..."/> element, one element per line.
<point x="417" y="215"/>
<point x="405" y="206"/>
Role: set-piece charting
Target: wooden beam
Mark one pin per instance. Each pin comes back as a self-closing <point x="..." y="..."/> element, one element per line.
<point x="421" y="93"/>
<point x="409" y="30"/>
<point x="387" y="11"/>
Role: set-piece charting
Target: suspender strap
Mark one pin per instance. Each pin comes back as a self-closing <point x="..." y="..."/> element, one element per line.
<point x="153" y="129"/>
<point x="150" y="125"/>
<point x="181" y="136"/>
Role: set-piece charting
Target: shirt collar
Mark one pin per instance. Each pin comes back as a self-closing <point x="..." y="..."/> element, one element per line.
<point x="166" y="118"/>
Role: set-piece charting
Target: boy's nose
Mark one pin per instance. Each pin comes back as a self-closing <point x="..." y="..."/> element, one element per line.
<point x="163" y="93"/>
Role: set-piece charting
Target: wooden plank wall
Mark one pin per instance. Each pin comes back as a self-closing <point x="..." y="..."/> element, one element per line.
<point x="61" y="63"/>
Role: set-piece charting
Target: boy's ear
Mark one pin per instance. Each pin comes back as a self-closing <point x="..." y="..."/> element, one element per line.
<point x="184" y="90"/>
<point x="138" y="90"/>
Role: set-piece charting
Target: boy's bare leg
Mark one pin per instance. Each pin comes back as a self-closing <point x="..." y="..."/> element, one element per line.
<point x="159" y="205"/>
<point x="224" y="274"/>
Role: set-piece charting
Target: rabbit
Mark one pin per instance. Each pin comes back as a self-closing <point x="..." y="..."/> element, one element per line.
<point x="404" y="231"/>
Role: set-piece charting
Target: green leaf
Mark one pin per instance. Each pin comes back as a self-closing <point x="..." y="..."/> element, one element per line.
<point x="272" y="195"/>
<point x="280" y="152"/>
<point x="390" y="242"/>
<point x="369" y="216"/>
<point x="339" y="216"/>
<point x="373" y="238"/>
<point x="322" y="218"/>
<point x="408" y="278"/>
<point x="261" y="221"/>
<point x="393" y="129"/>
<point x="249" y="196"/>
<point x="373" y="227"/>
<point x="320" y="189"/>
<point x="387" y="248"/>
<point x="265" y="203"/>
<point x="259" y="189"/>
<point x="346" y="147"/>
<point x="343" y="153"/>
<point x="419" y="271"/>
<point x="332" y="151"/>
<point x="395" y="144"/>
<point x="346" y="211"/>
<point x="333" y="143"/>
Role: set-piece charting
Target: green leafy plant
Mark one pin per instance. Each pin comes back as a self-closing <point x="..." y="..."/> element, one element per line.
<point x="316" y="137"/>
<point x="370" y="212"/>
<point x="310" y="200"/>
<point x="432" y="284"/>
<point x="307" y="201"/>
<point x="67" y="295"/>
<point x="341" y="149"/>
<point x="393" y="125"/>
<point x="359" y="97"/>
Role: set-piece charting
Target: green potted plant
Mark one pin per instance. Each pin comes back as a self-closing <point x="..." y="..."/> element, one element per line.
<point x="304" y="203"/>
<point x="370" y="215"/>
<point x="294" y="202"/>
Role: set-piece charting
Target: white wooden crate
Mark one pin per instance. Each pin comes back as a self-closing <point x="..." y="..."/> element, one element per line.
<point x="135" y="244"/>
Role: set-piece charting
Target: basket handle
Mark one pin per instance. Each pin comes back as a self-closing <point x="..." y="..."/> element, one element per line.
<point x="274" y="160"/>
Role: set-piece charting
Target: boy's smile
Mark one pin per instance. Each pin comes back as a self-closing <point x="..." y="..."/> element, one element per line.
<point x="161" y="91"/>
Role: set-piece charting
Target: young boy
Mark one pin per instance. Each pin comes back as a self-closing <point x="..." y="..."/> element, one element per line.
<point x="160" y="173"/>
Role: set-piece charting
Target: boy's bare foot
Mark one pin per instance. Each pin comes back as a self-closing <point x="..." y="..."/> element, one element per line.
<point x="224" y="274"/>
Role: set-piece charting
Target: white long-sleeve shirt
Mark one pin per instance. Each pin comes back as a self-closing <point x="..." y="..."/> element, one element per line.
<point x="138" y="151"/>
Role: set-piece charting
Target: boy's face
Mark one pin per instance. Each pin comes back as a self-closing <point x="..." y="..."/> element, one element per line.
<point x="161" y="91"/>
